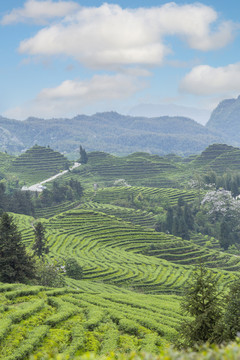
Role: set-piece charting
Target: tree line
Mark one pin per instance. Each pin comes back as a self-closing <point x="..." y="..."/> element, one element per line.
<point x="217" y="215"/>
<point x="17" y="264"/>
<point x="26" y="202"/>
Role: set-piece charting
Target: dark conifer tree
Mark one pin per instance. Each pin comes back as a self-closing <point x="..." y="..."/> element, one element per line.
<point x="203" y="302"/>
<point x="175" y="226"/>
<point x="40" y="247"/>
<point x="15" y="264"/>
<point x="183" y="229"/>
<point x="225" y="235"/>
<point x="234" y="187"/>
<point x="83" y="155"/>
<point x="188" y="216"/>
<point x="231" y="318"/>
<point x="169" y="220"/>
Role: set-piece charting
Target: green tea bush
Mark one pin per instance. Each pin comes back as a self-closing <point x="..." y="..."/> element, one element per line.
<point x="28" y="345"/>
<point x="110" y="341"/>
<point x="229" y="352"/>
<point x="78" y="337"/>
<point x="129" y="326"/>
<point x="65" y="310"/>
<point x="4" y="327"/>
<point x="26" y="311"/>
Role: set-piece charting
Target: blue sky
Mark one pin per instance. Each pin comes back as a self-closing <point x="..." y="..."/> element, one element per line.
<point x="63" y="58"/>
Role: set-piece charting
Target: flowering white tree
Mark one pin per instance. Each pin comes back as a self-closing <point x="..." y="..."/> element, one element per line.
<point x="221" y="204"/>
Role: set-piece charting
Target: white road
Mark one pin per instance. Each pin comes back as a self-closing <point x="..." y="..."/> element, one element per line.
<point x="39" y="187"/>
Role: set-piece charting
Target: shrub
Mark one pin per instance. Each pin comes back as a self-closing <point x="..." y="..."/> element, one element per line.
<point x="73" y="269"/>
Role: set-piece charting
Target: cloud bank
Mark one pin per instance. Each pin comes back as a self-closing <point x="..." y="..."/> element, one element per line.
<point x="40" y="11"/>
<point x="110" y="36"/>
<point x="125" y="43"/>
<point x="207" y="80"/>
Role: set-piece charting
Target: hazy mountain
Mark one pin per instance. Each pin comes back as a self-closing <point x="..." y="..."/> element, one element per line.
<point x="225" y="119"/>
<point x="110" y="132"/>
<point x="156" y="110"/>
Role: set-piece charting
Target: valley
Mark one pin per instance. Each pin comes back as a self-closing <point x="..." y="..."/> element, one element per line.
<point x="135" y="267"/>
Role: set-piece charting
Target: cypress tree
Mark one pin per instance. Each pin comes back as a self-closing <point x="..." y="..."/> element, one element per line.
<point x="232" y="313"/>
<point x="183" y="229"/>
<point x="188" y="217"/>
<point x="175" y="226"/>
<point x="40" y="246"/>
<point x="15" y="264"/>
<point x="203" y="302"/>
<point x="225" y="237"/>
<point x="83" y="155"/>
<point x="169" y="220"/>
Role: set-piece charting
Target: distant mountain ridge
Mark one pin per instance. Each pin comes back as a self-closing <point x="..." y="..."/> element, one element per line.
<point x="124" y="134"/>
<point x="110" y="132"/>
<point x="156" y="110"/>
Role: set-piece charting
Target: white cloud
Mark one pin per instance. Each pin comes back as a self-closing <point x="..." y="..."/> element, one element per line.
<point x="100" y="87"/>
<point x="40" y="11"/>
<point x="72" y="97"/>
<point x="207" y="80"/>
<point x="109" y="36"/>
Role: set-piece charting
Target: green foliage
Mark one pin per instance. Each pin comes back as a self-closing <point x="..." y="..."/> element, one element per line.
<point x="28" y="345"/>
<point x="231" y="317"/>
<point x="40" y="246"/>
<point x="4" y="327"/>
<point x="179" y="220"/>
<point x="82" y="320"/>
<point x="203" y="302"/>
<point x="15" y="264"/>
<point x="50" y="273"/>
<point x="65" y="310"/>
<point x="206" y="352"/>
<point x="26" y="311"/>
<point x="73" y="269"/>
<point x="83" y="155"/>
<point x="60" y="192"/>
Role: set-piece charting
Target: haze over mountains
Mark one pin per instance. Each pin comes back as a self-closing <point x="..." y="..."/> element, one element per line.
<point x="156" y="110"/>
<point x="120" y="134"/>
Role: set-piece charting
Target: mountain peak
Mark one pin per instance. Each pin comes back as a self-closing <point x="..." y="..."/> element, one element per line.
<point x="226" y="118"/>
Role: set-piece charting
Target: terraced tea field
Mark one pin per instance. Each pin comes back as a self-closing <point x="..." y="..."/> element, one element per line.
<point x="228" y="160"/>
<point x="219" y="158"/>
<point x="117" y="252"/>
<point x="211" y="153"/>
<point x="49" y="211"/>
<point x="137" y="169"/>
<point x="112" y="195"/>
<point x="133" y="276"/>
<point x="100" y="313"/>
<point x="137" y="217"/>
<point x="37" y="320"/>
<point x="37" y="164"/>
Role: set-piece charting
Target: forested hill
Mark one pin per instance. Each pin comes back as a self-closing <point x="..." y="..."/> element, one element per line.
<point x="110" y="132"/>
<point x="226" y="119"/>
<point x="119" y="134"/>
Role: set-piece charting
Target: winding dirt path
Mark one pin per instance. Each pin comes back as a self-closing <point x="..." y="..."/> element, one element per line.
<point x="39" y="186"/>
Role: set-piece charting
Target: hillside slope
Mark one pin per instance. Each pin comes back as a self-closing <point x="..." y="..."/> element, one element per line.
<point x="100" y="318"/>
<point x="110" y="132"/>
<point x="38" y="163"/>
<point x="220" y="158"/>
<point x="225" y="119"/>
